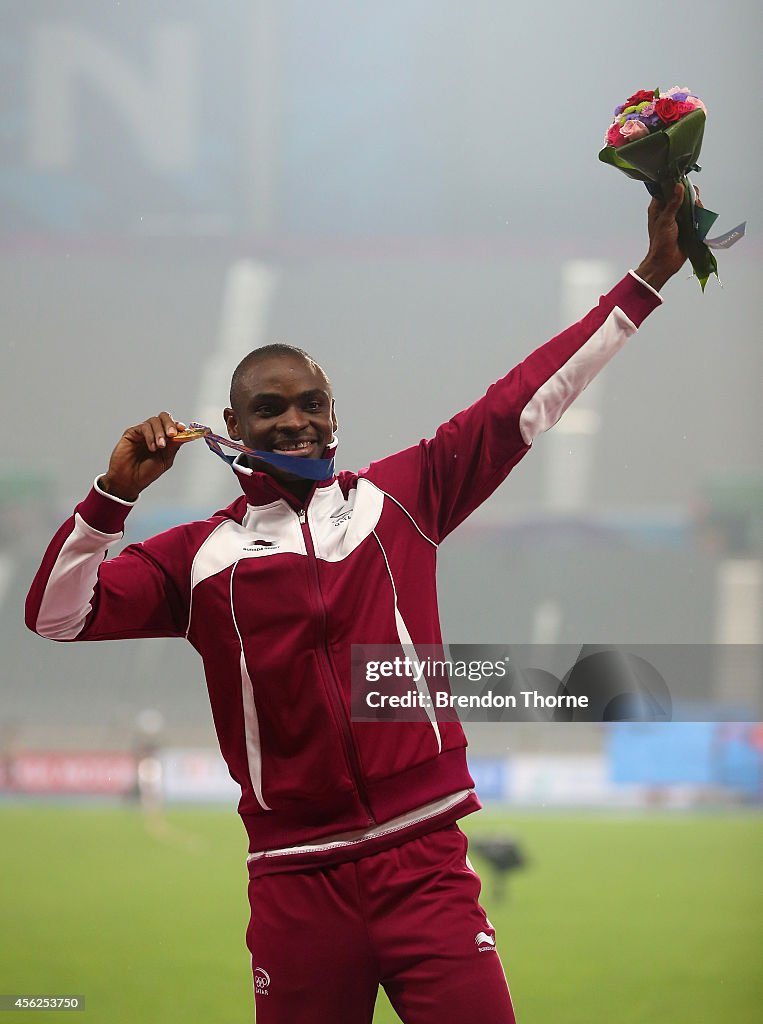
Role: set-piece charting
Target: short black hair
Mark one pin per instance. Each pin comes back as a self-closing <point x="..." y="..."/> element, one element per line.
<point x="266" y="352"/>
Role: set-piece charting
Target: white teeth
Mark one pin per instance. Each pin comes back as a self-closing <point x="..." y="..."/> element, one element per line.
<point x="297" y="446"/>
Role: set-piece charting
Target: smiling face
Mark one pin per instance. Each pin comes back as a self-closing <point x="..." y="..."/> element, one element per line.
<point x="282" y="403"/>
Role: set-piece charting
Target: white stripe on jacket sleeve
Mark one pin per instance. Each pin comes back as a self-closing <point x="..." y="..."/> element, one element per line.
<point x="548" y="403"/>
<point x="68" y="597"/>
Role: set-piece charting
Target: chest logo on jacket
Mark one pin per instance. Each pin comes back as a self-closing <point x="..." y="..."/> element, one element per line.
<point x="342" y="517"/>
<point x="261" y="545"/>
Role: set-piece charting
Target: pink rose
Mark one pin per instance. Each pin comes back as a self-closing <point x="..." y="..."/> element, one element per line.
<point x="695" y="103"/>
<point x="684" y="89"/>
<point x="634" y="129"/>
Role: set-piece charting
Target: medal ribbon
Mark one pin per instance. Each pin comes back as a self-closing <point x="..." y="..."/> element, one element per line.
<point x="310" y="469"/>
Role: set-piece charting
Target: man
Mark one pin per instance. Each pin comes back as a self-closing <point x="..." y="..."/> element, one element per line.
<point x="358" y="872"/>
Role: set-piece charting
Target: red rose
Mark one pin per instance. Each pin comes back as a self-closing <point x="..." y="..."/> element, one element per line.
<point x="614" y="136"/>
<point x="642" y="96"/>
<point x="670" y="111"/>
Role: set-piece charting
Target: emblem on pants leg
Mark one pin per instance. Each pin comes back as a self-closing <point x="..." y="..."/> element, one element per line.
<point x="261" y="981"/>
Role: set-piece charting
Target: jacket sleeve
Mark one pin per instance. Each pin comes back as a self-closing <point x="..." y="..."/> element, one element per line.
<point x="79" y="595"/>
<point x="440" y="481"/>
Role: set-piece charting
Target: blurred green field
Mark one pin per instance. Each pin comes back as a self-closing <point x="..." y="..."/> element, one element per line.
<point x="634" y="920"/>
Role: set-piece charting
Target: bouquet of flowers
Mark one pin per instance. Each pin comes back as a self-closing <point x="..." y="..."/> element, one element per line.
<point x="656" y="138"/>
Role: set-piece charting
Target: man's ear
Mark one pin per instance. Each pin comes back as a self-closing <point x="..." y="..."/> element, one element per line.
<point x="231" y="423"/>
<point x="334" y="422"/>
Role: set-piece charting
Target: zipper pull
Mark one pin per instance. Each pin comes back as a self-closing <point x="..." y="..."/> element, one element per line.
<point x="302" y="517"/>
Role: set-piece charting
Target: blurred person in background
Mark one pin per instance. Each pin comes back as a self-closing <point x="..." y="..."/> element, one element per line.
<point x="358" y="869"/>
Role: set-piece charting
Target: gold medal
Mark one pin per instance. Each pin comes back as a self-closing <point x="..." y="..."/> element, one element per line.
<point x="192" y="434"/>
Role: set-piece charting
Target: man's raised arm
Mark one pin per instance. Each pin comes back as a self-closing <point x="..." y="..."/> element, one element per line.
<point x="446" y="477"/>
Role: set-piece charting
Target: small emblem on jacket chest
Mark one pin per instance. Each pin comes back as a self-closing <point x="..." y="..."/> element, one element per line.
<point x="261" y="545"/>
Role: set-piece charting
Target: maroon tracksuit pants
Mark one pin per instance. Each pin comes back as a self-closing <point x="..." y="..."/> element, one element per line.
<point x="323" y="940"/>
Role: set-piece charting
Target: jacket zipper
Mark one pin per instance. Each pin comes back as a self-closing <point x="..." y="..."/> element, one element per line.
<point x="349" y="743"/>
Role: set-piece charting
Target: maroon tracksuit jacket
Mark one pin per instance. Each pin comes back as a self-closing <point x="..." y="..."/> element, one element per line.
<point x="272" y="596"/>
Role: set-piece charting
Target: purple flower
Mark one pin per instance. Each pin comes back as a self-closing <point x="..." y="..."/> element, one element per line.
<point x="649" y="116"/>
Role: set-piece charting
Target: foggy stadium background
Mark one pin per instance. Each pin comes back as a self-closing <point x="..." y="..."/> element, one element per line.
<point x="411" y="193"/>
